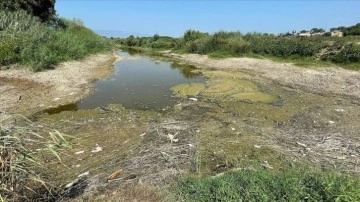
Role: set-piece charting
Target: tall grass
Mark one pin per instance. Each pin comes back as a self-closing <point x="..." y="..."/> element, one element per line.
<point x="267" y="185"/>
<point x="25" y="40"/>
<point x="24" y="149"/>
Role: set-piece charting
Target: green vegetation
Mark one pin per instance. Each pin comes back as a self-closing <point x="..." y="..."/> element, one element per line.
<point x="44" y="9"/>
<point x="24" y="150"/>
<point x="28" y="41"/>
<point x="344" y="51"/>
<point x="268" y="185"/>
<point x="155" y="42"/>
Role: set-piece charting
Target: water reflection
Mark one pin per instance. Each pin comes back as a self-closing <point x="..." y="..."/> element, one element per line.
<point x="141" y="83"/>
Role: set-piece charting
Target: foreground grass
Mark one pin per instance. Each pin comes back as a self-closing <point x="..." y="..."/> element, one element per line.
<point x="268" y="185"/>
<point x="25" y="150"/>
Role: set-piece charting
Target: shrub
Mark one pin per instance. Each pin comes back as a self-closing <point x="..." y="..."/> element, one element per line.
<point x="29" y="42"/>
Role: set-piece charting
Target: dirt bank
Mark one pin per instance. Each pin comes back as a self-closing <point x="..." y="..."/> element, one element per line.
<point x="330" y="80"/>
<point x="26" y="92"/>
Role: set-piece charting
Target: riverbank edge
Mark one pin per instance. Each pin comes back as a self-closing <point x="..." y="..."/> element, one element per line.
<point x="26" y="92"/>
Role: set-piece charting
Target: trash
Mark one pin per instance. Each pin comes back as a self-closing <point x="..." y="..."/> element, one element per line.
<point x="80" y="152"/>
<point x="142" y="135"/>
<point x="115" y="174"/>
<point x="301" y="144"/>
<point x="70" y="184"/>
<point x="83" y="174"/>
<point x="331" y="122"/>
<point x="267" y="165"/>
<point x="193" y="99"/>
<point x="233" y="129"/>
<point x="339" y="110"/>
<point x="97" y="149"/>
<point x="257" y="146"/>
<point x="172" y="138"/>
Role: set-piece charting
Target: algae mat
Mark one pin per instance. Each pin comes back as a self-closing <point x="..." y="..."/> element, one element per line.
<point x="225" y="85"/>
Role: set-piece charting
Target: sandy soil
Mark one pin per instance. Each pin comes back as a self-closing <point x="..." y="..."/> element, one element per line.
<point x="26" y="92"/>
<point x="330" y="80"/>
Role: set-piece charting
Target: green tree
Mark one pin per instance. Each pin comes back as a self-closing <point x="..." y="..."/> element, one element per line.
<point x="44" y="9"/>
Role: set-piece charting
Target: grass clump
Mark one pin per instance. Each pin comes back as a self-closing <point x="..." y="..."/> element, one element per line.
<point x="28" y="41"/>
<point x="24" y="150"/>
<point x="266" y="185"/>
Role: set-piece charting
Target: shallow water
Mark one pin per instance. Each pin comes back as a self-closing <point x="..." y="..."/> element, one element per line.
<point x="139" y="82"/>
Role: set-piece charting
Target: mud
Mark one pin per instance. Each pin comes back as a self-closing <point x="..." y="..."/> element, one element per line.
<point x="26" y="92"/>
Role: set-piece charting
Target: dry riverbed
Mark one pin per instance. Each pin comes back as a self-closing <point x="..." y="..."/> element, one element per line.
<point x="26" y="92"/>
<point x="249" y="113"/>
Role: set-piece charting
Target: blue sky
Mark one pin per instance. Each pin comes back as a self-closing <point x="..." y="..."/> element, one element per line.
<point x="174" y="17"/>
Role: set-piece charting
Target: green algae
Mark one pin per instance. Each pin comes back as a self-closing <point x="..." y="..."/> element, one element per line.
<point x="188" y="89"/>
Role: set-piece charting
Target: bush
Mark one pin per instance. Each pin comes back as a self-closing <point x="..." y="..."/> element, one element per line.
<point x="29" y="42"/>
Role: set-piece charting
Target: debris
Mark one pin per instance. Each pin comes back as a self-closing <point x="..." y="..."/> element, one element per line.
<point x="83" y="174"/>
<point x="166" y="156"/>
<point x="172" y="138"/>
<point x="193" y="99"/>
<point x="130" y="177"/>
<point x="115" y="174"/>
<point x="142" y="135"/>
<point x="56" y="99"/>
<point x="301" y="144"/>
<point x="331" y="122"/>
<point x="339" y="110"/>
<point x="80" y="152"/>
<point x="70" y="184"/>
<point x="190" y="145"/>
<point x="233" y="129"/>
<point x="267" y="165"/>
<point x="257" y="146"/>
<point x="97" y="149"/>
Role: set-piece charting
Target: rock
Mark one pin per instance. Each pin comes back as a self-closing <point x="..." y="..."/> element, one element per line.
<point x="257" y="146"/>
<point x="331" y="122"/>
<point x="84" y="174"/>
<point x="233" y="129"/>
<point x="339" y="110"/>
<point x="142" y="135"/>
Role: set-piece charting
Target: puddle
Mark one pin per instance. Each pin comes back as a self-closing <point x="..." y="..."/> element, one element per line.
<point x="139" y="82"/>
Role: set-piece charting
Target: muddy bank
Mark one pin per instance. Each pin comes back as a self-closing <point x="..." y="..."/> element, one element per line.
<point x="330" y="80"/>
<point x="26" y="92"/>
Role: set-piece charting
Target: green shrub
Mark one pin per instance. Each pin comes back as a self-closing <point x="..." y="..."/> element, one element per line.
<point x="29" y="42"/>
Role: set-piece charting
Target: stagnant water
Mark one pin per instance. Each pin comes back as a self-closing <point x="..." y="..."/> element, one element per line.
<point x="138" y="82"/>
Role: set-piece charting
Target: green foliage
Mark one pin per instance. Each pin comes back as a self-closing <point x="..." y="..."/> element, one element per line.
<point x="192" y="35"/>
<point x="265" y="185"/>
<point x="44" y="9"/>
<point x="24" y="149"/>
<point x="28" y="41"/>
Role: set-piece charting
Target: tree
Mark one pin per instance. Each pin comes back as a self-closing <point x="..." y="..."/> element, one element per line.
<point x="44" y="9"/>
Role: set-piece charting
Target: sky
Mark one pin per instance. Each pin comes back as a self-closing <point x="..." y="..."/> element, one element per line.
<point x="173" y="17"/>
